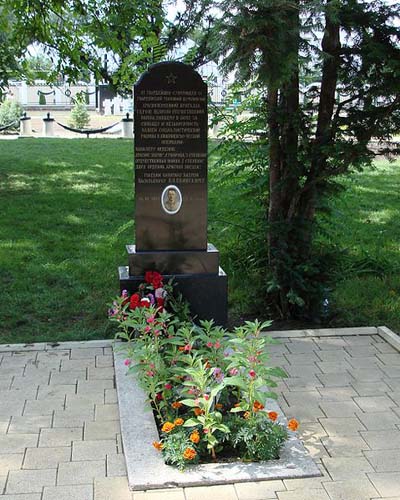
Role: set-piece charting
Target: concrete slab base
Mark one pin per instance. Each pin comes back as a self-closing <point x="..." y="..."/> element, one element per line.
<point x="146" y="468"/>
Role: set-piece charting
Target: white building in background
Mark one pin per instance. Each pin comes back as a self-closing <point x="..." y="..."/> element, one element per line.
<point x="41" y="95"/>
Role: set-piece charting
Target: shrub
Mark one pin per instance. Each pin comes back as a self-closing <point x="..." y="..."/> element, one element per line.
<point x="10" y="111"/>
<point x="42" y="99"/>
<point x="79" y="114"/>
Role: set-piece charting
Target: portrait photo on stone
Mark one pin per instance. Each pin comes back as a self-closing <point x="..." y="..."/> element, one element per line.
<point x="171" y="199"/>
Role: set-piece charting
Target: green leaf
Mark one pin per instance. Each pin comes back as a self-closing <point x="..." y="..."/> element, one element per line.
<point x="189" y="402"/>
<point x="191" y="423"/>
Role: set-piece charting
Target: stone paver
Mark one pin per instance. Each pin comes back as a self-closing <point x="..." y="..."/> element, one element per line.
<point x="80" y="472"/>
<point x="46" y="458"/>
<point x="76" y="492"/>
<point x="387" y="483"/>
<point x="226" y="492"/>
<point x="30" y="481"/>
<point x="60" y="433"/>
<point x="354" y="489"/>
<point x="259" y="491"/>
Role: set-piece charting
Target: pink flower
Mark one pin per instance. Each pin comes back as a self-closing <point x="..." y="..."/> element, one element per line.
<point x="252" y="359"/>
<point x="210" y="344"/>
<point x="124" y="294"/>
<point x="150" y="319"/>
<point x="160" y="293"/>
<point x="168" y="386"/>
<point x="252" y="373"/>
<point x="188" y="347"/>
<point x="147" y="329"/>
<point x="217" y="344"/>
<point x="150" y="373"/>
<point x="206" y="431"/>
<point x="206" y="397"/>
<point x="127" y="362"/>
<point x="233" y="371"/>
<point x="192" y="390"/>
<point x="218" y="374"/>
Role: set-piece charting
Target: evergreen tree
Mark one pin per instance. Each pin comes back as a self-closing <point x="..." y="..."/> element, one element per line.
<point x="80" y="118"/>
<point x="352" y="47"/>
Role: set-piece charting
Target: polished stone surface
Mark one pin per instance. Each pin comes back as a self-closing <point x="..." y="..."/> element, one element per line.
<point x="173" y="261"/>
<point x="206" y="293"/>
<point x="170" y="103"/>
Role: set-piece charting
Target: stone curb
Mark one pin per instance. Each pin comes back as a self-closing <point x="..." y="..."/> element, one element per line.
<point x="47" y="346"/>
<point x="146" y="468"/>
<point x="391" y="338"/>
<point x="383" y="331"/>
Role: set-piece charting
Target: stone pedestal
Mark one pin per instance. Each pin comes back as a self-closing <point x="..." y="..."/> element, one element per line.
<point x="48" y="126"/>
<point x="25" y="127"/>
<point x="127" y="127"/>
<point x="206" y="293"/>
<point x="173" y="262"/>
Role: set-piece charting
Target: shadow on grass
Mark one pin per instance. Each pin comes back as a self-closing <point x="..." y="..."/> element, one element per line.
<point x="65" y="223"/>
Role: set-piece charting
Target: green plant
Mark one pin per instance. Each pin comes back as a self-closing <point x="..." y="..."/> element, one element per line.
<point x="80" y="118"/>
<point x="200" y="379"/>
<point x="257" y="438"/>
<point x="42" y="99"/>
<point x="10" y="111"/>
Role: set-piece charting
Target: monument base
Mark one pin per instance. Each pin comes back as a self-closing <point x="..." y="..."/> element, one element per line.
<point x="173" y="261"/>
<point x="207" y="294"/>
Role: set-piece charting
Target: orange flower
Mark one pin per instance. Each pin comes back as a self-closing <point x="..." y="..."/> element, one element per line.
<point x="257" y="406"/>
<point x="272" y="415"/>
<point x="293" y="424"/>
<point x="219" y="406"/>
<point x="198" y="411"/>
<point x="167" y="427"/>
<point x="181" y="348"/>
<point x="189" y="454"/>
<point x="246" y="415"/>
<point x="178" y="421"/>
<point x="158" y="445"/>
<point x="176" y="404"/>
<point x="194" y="437"/>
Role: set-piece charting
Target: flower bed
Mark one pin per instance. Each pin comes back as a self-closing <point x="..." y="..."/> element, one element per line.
<point x="207" y="386"/>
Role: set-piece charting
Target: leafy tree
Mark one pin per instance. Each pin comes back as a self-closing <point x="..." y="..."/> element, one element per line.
<point x="78" y="34"/>
<point x="317" y="133"/>
<point x="10" y="53"/>
<point x="38" y="66"/>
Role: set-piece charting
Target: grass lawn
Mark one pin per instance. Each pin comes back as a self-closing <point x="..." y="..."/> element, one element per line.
<point x="364" y="226"/>
<point x="67" y="213"/>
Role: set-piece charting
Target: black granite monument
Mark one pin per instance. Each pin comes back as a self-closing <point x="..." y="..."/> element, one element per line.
<point x="170" y="129"/>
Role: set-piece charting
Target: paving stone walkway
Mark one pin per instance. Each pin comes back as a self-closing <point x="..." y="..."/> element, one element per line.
<point x="60" y="435"/>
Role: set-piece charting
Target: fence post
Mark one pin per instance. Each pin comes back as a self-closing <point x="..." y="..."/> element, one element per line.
<point x="25" y="127"/>
<point x="127" y="127"/>
<point x="48" y="126"/>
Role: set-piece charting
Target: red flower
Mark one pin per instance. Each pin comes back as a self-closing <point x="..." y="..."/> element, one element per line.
<point x="134" y="301"/>
<point x="160" y="302"/>
<point x="252" y="373"/>
<point x="153" y="278"/>
<point x="148" y="276"/>
<point x="144" y="302"/>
